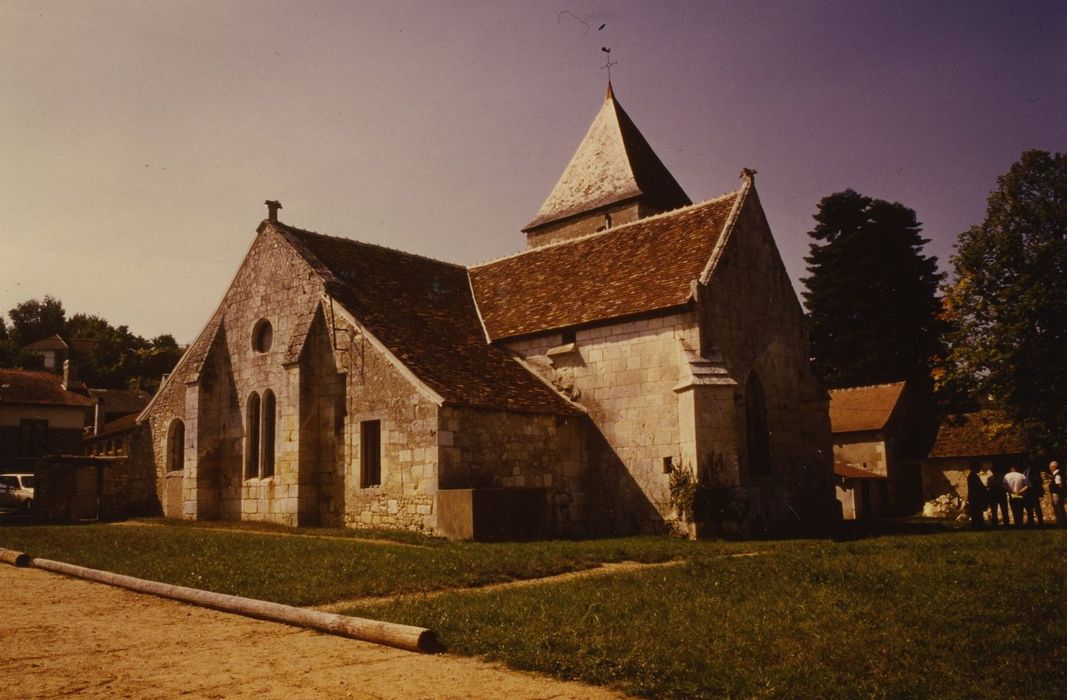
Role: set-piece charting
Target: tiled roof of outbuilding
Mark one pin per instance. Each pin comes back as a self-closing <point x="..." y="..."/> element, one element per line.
<point x="115" y="427"/>
<point x="121" y="400"/>
<point x="862" y="408"/>
<point x="423" y="312"/>
<point x="23" y="386"/>
<point x="646" y="265"/>
<point x="979" y="434"/>
<point x="52" y="342"/>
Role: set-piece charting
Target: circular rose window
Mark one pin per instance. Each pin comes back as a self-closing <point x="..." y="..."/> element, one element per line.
<point x="262" y="336"/>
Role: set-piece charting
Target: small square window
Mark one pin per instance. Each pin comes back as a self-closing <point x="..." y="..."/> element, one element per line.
<point x="668" y="465"/>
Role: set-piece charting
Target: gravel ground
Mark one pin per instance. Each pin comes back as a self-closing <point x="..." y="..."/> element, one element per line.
<point x="63" y="636"/>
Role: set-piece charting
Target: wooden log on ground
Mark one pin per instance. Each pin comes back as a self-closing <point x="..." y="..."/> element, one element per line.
<point x="10" y="556"/>
<point x="387" y="633"/>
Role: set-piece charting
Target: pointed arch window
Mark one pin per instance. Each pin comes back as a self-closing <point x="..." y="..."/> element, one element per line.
<point x="252" y="449"/>
<point x="758" y="438"/>
<point x="267" y="466"/>
<point x="176" y="446"/>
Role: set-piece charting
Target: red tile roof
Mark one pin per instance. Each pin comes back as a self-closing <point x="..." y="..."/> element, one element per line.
<point x="115" y="427"/>
<point x="52" y="342"/>
<point x="121" y="400"/>
<point x="423" y="312"/>
<point x="647" y="265"/>
<point x="863" y="407"/>
<point x="22" y="386"/>
<point x="979" y="434"/>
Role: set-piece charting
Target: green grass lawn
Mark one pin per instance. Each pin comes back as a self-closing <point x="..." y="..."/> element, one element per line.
<point x="313" y="570"/>
<point x="946" y="613"/>
<point x="954" y="615"/>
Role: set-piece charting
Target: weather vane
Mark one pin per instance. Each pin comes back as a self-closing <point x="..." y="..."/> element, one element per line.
<point x="608" y="62"/>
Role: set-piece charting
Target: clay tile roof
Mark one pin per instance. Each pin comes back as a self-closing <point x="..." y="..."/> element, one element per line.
<point x="22" y="386"/>
<point x="850" y="472"/>
<point x="52" y="342"/>
<point x="613" y="163"/>
<point x="121" y="400"/>
<point x="977" y="434"/>
<point x="863" y="407"/>
<point x="115" y="427"/>
<point x="642" y="266"/>
<point x="423" y="312"/>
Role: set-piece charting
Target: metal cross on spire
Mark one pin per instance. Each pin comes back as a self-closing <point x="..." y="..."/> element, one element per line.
<point x="608" y="62"/>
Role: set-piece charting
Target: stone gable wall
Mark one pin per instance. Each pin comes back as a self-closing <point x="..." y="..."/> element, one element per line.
<point x="862" y="449"/>
<point x="149" y="443"/>
<point x="749" y="314"/>
<point x="376" y="390"/>
<point x="276" y="285"/>
<point x="326" y="378"/>
<point x="624" y="375"/>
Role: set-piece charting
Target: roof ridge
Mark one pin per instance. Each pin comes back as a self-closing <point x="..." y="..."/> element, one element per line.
<point x="365" y="243"/>
<point x="613" y="229"/>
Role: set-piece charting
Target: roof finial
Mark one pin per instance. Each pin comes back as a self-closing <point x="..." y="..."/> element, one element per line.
<point x="608" y="64"/>
<point x="749" y="176"/>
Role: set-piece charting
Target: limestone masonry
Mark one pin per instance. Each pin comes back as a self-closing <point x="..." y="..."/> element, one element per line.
<point x="557" y="391"/>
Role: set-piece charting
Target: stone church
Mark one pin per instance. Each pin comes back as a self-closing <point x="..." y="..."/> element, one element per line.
<point x="553" y="392"/>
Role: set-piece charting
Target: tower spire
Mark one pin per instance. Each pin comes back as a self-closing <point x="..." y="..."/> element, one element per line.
<point x="613" y="172"/>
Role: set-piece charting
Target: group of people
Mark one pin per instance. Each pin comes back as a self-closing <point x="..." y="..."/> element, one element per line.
<point x="1017" y="491"/>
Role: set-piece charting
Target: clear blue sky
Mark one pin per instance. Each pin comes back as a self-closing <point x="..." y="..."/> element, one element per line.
<point x="138" y="140"/>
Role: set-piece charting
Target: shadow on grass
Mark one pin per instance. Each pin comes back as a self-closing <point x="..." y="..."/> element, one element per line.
<point x="851" y="530"/>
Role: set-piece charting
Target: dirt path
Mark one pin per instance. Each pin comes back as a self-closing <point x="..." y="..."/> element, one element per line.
<point x="602" y="570"/>
<point x="61" y="636"/>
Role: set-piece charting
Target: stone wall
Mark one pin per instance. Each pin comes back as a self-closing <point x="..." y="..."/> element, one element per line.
<point x="327" y="378"/>
<point x="624" y="375"/>
<point x="481" y="448"/>
<point x="752" y="320"/>
<point x="71" y="488"/>
<point x="947" y="476"/>
<point x="587" y="223"/>
<point x="377" y="391"/>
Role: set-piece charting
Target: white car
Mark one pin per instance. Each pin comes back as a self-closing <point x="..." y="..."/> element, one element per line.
<point x="16" y="491"/>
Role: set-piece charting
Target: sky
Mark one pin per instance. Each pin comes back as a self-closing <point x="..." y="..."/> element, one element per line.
<point x="139" y="140"/>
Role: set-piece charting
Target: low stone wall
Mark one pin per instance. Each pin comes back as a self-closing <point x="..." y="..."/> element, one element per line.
<point x="69" y="488"/>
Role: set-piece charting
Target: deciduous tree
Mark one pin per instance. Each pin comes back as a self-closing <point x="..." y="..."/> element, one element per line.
<point x="1008" y="302"/>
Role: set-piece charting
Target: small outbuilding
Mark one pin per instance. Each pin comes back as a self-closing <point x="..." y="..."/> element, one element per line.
<point x="986" y="439"/>
<point x="878" y="438"/>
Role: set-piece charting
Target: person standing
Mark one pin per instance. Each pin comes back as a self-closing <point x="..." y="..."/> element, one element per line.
<point x="1032" y="496"/>
<point x="1057" y="488"/>
<point x="998" y="500"/>
<point x="977" y="498"/>
<point x="1015" y="485"/>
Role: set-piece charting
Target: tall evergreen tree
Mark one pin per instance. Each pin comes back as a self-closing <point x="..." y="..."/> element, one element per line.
<point x="1008" y="302"/>
<point x="871" y="293"/>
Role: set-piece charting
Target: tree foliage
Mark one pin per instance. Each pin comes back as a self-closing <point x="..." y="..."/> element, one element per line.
<point x="1008" y="302"/>
<point x="871" y="293"/>
<point x="35" y="319"/>
<point x="107" y="356"/>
